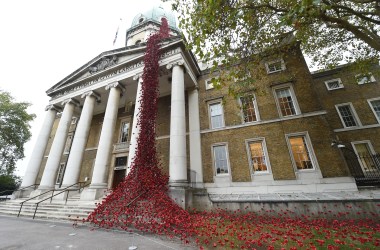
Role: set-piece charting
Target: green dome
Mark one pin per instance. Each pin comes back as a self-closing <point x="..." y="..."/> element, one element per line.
<point x="155" y="14"/>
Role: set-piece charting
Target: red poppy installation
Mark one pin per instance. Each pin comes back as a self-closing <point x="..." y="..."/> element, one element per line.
<point x="141" y="201"/>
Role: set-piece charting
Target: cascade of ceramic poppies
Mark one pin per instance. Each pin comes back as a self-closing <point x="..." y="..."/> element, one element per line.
<point x="141" y="201"/>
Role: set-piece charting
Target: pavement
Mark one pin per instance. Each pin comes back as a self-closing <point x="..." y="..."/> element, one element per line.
<point x="26" y="233"/>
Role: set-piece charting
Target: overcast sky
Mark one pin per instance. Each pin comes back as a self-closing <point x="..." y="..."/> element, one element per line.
<point x="43" y="41"/>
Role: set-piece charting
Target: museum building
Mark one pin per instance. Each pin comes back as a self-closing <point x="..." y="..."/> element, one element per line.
<point x="292" y="137"/>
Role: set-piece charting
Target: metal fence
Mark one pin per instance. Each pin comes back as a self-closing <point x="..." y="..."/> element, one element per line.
<point x="365" y="168"/>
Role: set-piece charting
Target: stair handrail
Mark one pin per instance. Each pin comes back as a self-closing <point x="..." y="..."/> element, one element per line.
<point x="17" y="189"/>
<point x="50" y="190"/>
<point x="61" y="191"/>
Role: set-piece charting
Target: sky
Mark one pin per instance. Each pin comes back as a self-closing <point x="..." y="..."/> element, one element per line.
<point x="43" y="41"/>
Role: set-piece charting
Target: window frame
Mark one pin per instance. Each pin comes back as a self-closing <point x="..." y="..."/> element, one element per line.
<point x="359" y="78"/>
<point x="372" y="108"/>
<point x="209" y="112"/>
<point x="371" y="150"/>
<point x="225" y="144"/>
<point x="256" y="108"/>
<point x="122" y="122"/>
<point x="266" y="155"/>
<point x="354" y="114"/>
<point x="283" y="66"/>
<point x="310" y="148"/>
<point x="207" y="85"/>
<point x="293" y="96"/>
<point x="62" y="166"/>
<point x="341" y="86"/>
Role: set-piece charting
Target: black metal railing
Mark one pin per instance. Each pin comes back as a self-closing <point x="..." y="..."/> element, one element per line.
<point x="17" y="189"/>
<point x="365" y="168"/>
<point x="82" y="185"/>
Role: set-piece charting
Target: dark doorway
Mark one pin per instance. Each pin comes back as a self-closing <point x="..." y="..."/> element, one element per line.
<point x="118" y="177"/>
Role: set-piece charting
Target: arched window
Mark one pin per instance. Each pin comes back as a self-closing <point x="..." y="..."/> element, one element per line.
<point x="137" y="42"/>
<point x="141" y="20"/>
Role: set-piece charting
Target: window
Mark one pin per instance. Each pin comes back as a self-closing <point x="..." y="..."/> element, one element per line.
<point x="258" y="159"/>
<point x="275" y="66"/>
<point x="137" y="42"/>
<point x="249" y="108"/>
<point x="69" y="141"/>
<point x="220" y="159"/>
<point x="375" y="106"/>
<point x="300" y="152"/>
<point x="347" y="115"/>
<point x="365" y="153"/>
<point x="124" y="132"/>
<point x="61" y="172"/>
<point x="209" y="84"/>
<point x="286" y="101"/>
<point x="121" y="162"/>
<point x="334" y="84"/>
<point x="367" y="78"/>
<point x="141" y="20"/>
<point x="216" y="115"/>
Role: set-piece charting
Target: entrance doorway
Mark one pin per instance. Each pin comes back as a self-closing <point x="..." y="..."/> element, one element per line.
<point x="118" y="177"/>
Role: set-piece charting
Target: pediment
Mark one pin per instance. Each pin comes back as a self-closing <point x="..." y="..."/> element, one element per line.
<point x="107" y="60"/>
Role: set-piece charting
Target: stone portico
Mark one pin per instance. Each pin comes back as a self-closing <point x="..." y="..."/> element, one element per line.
<point x="109" y="83"/>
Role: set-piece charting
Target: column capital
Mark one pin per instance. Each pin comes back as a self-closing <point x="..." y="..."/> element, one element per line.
<point x="176" y="63"/>
<point x="137" y="77"/>
<point x="91" y="93"/>
<point x="115" y="85"/>
<point x="72" y="101"/>
<point x="53" y="107"/>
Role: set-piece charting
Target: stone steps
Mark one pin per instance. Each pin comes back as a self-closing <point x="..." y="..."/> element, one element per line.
<point x="70" y="211"/>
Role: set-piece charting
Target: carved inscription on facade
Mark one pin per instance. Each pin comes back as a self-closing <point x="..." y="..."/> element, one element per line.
<point x="109" y="75"/>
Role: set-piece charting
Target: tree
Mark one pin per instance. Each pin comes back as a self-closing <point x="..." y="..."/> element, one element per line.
<point x="14" y="132"/>
<point x="240" y="31"/>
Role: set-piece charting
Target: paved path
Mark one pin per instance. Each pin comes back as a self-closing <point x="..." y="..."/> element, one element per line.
<point x="25" y="233"/>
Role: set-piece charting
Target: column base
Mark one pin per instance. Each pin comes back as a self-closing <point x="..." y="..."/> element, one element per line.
<point x="22" y="193"/>
<point x="179" y="183"/>
<point x="181" y="195"/>
<point x="92" y="194"/>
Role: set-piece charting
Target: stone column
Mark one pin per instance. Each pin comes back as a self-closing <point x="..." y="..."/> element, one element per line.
<point x="80" y="139"/>
<point x="52" y="164"/>
<point x="99" y="175"/>
<point x="177" y="160"/>
<point x="136" y="127"/>
<point x="40" y="147"/>
<point x="196" y="171"/>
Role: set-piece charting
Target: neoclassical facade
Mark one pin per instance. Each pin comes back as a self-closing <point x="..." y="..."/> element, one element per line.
<point x="207" y="141"/>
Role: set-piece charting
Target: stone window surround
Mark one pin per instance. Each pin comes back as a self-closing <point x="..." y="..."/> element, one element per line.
<point x="255" y="107"/>
<point x="341" y="86"/>
<point x="354" y="114"/>
<point x="359" y="79"/>
<point x="60" y="173"/>
<point x="122" y="121"/>
<point x="353" y="143"/>
<point x="208" y="84"/>
<point x="310" y="148"/>
<point x="371" y="149"/>
<point x="209" y="103"/>
<point x="293" y="95"/>
<point x="371" y="106"/>
<point x="265" y="151"/>
<point x="283" y="67"/>
<point x="221" y="176"/>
